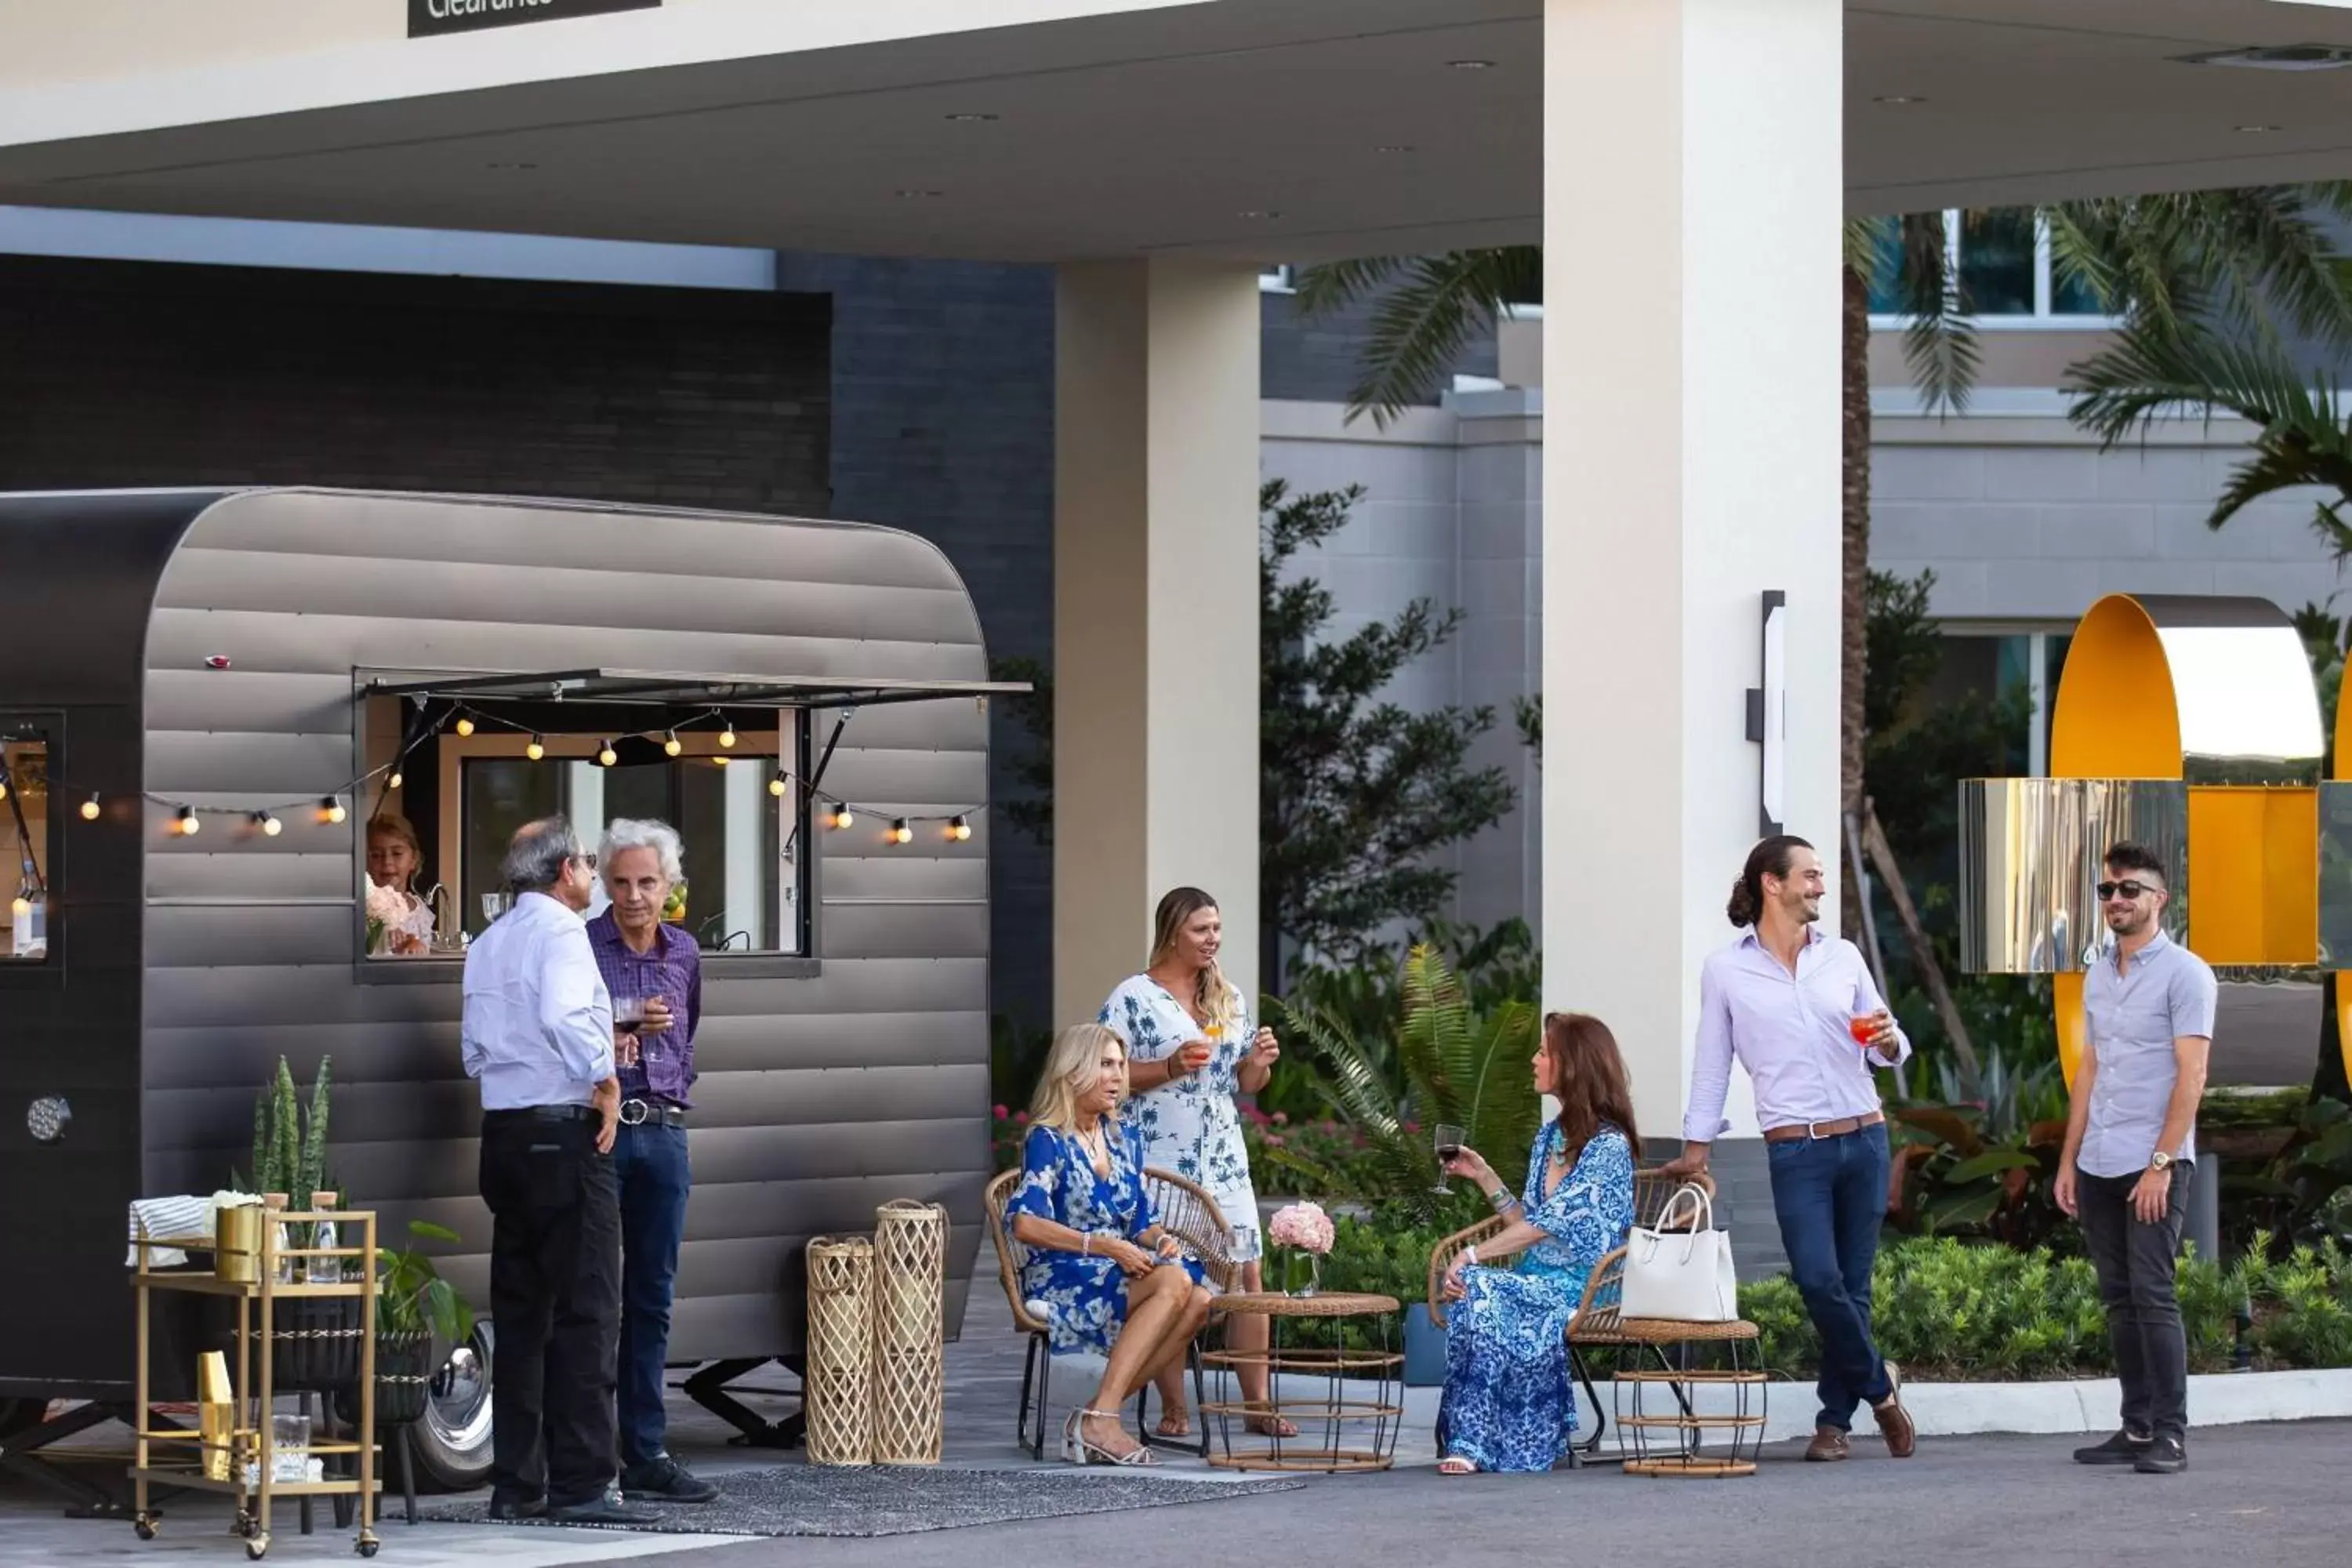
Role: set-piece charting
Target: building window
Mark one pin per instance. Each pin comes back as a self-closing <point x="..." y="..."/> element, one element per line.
<point x="2002" y="261"/>
<point x="439" y="838"/>
<point x="26" y="828"/>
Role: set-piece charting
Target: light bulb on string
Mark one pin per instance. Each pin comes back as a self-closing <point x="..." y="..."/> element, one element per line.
<point x="776" y="786"/>
<point x="465" y="726"/>
<point x="3" y="786"/>
<point x="901" y="833"/>
<point x="536" y="749"/>
<point x="267" y="825"/>
<point x="331" y="809"/>
<point x="606" y="755"/>
<point x="90" y="809"/>
<point x="394" y="780"/>
<point x="185" y="822"/>
<point x="727" y="736"/>
<point x="671" y="744"/>
<point x="843" y="817"/>
<point x="719" y="761"/>
<point x="960" y="829"/>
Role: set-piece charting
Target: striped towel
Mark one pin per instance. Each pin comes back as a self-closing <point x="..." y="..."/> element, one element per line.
<point x="182" y="1217"/>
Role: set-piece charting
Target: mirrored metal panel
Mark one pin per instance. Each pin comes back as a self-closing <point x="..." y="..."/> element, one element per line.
<point x="2030" y="865"/>
<point x="2241" y="684"/>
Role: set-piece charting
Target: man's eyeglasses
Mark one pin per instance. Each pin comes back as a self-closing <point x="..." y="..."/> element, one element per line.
<point x="2129" y="889"/>
<point x="589" y="860"/>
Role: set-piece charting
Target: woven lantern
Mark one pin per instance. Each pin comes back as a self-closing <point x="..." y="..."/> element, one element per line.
<point x="909" y="1312"/>
<point x="838" y="1386"/>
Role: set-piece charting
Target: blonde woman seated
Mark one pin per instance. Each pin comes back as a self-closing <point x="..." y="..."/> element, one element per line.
<point x="1108" y="1277"/>
<point x="1510" y="1402"/>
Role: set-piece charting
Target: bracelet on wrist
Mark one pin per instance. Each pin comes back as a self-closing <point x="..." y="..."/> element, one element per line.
<point x="1470" y="1254"/>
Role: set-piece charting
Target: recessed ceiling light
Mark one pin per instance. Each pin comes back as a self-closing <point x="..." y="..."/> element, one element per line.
<point x="1395" y="147"/>
<point x="1255" y="214"/>
<point x="1472" y="65"/>
<point x="2276" y="58"/>
<point x="970" y="118"/>
<point x="919" y="196"/>
<point x="2253" y="130"/>
<point x="1899" y="99"/>
<point x="511" y="168"/>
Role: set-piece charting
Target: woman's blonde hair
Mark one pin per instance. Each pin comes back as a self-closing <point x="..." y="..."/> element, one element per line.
<point x="1073" y="1067"/>
<point x="1212" y="999"/>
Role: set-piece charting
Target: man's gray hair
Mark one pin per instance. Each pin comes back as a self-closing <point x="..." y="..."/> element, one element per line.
<point x="537" y="854"/>
<point x="629" y="833"/>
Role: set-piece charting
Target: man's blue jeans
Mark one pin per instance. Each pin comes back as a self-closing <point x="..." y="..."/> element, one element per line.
<point x="1830" y="1195"/>
<point x="650" y="1162"/>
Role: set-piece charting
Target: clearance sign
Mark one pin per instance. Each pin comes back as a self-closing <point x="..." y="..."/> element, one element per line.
<point x="428" y="18"/>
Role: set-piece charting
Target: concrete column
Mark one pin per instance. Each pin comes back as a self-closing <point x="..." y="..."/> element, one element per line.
<point x="1692" y="209"/>
<point x="1155" y="612"/>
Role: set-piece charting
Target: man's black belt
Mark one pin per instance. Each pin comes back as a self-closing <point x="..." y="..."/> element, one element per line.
<point x="652" y="1113"/>
<point x="545" y="1113"/>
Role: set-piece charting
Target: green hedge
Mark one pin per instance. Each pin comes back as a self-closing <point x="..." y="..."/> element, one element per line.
<point x="1950" y="1311"/>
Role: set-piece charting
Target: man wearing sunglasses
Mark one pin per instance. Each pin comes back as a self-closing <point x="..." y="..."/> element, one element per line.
<point x="2130" y="1149"/>
<point x="538" y="1036"/>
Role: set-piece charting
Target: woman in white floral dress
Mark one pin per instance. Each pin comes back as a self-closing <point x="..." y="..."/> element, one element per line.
<point x="1190" y="1049"/>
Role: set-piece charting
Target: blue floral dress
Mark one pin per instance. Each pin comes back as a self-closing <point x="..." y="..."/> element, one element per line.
<point x="1083" y="1296"/>
<point x="1192" y="1126"/>
<point x="1509" y="1401"/>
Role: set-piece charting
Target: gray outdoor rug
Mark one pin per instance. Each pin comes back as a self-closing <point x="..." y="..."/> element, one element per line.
<point x="801" y="1499"/>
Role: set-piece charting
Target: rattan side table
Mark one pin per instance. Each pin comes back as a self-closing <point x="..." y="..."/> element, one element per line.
<point x="1352" y="1425"/>
<point x="1642" y="1414"/>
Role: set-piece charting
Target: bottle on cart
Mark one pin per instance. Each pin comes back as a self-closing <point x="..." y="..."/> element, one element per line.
<point x="326" y="1270"/>
<point x="273" y="1205"/>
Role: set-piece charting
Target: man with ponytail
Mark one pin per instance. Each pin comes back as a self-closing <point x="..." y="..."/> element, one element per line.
<point x="1797" y="1007"/>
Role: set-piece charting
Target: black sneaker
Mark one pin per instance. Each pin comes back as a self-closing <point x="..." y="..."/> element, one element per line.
<point x="664" y="1480"/>
<point x="602" y="1508"/>
<point x="507" y="1510"/>
<point x="2123" y="1448"/>
<point x="2168" y="1456"/>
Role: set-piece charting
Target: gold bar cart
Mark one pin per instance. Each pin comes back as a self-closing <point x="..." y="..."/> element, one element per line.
<point x="246" y="1258"/>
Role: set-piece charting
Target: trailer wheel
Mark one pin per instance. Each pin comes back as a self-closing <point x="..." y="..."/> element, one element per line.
<point x="453" y="1439"/>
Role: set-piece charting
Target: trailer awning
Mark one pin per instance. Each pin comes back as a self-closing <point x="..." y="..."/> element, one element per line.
<point x="658" y="689"/>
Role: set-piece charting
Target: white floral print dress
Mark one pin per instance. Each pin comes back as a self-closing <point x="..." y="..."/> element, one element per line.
<point x="1192" y="1126"/>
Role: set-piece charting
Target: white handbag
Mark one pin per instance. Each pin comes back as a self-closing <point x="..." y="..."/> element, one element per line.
<point x="1681" y="1275"/>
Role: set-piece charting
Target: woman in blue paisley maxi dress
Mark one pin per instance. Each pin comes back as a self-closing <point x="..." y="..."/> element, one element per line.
<point x="1191" y="1050"/>
<point x="1097" y="1266"/>
<point x="1510" y="1400"/>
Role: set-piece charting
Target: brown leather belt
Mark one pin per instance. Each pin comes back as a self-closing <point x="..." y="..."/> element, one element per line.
<point x="1807" y="1130"/>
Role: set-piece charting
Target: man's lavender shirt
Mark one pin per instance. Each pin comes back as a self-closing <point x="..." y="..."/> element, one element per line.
<point x="1791" y="1032"/>
<point x="672" y="969"/>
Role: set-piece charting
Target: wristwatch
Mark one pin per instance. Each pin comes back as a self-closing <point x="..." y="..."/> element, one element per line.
<point x="2159" y="1161"/>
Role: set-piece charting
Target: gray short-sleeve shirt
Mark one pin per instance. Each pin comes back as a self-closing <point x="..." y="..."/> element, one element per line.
<point x="2134" y="1018"/>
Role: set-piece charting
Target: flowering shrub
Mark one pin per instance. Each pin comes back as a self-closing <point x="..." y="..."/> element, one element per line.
<point x="1007" y="1130"/>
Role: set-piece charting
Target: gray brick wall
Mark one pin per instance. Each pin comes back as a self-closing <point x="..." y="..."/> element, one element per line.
<point x="1318" y="361"/>
<point x="943" y="426"/>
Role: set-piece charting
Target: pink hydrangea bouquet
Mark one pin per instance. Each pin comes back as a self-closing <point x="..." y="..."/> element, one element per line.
<point x="1303" y="1233"/>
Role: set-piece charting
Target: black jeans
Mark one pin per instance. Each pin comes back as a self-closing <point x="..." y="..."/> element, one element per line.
<point x="555" y="1290"/>
<point x="1829" y="1196"/>
<point x="2134" y="1261"/>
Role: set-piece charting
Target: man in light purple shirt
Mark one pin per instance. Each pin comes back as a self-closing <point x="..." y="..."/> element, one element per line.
<point x="1797" y="1007"/>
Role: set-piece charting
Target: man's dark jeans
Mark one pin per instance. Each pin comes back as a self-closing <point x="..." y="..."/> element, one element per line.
<point x="1830" y="1195"/>
<point x="2134" y="1260"/>
<point x="555" y="1276"/>
<point x="650" y="1160"/>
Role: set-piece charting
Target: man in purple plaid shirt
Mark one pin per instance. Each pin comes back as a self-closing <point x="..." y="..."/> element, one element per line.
<point x="659" y="968"/>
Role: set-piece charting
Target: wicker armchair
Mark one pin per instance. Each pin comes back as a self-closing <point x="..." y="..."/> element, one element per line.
<point x="1598" y="1324"/>
<point x="1188" y="1213"/>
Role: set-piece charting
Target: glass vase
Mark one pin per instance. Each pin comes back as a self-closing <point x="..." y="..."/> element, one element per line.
<point x="1302" y="1272"/>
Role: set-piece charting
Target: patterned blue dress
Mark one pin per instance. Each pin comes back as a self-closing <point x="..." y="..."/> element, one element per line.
<point x="1192" y="1126"/>
<point x="1509" y="1401"/>
<point x="1083" y="1296"/>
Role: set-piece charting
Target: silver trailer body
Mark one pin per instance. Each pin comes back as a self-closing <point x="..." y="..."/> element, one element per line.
<point x="214" y="647"/>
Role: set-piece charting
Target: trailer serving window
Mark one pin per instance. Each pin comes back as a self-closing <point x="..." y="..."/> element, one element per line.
<point x="26" y="817"/>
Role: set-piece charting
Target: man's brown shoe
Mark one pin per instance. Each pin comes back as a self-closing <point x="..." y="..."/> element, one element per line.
<point x="1894" y="1421"/>
<point x="1829" y="1444"/>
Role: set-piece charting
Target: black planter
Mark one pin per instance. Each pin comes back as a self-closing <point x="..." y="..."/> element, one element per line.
<point x="403" y="1377"/>
<point x="314" y="1344"/>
